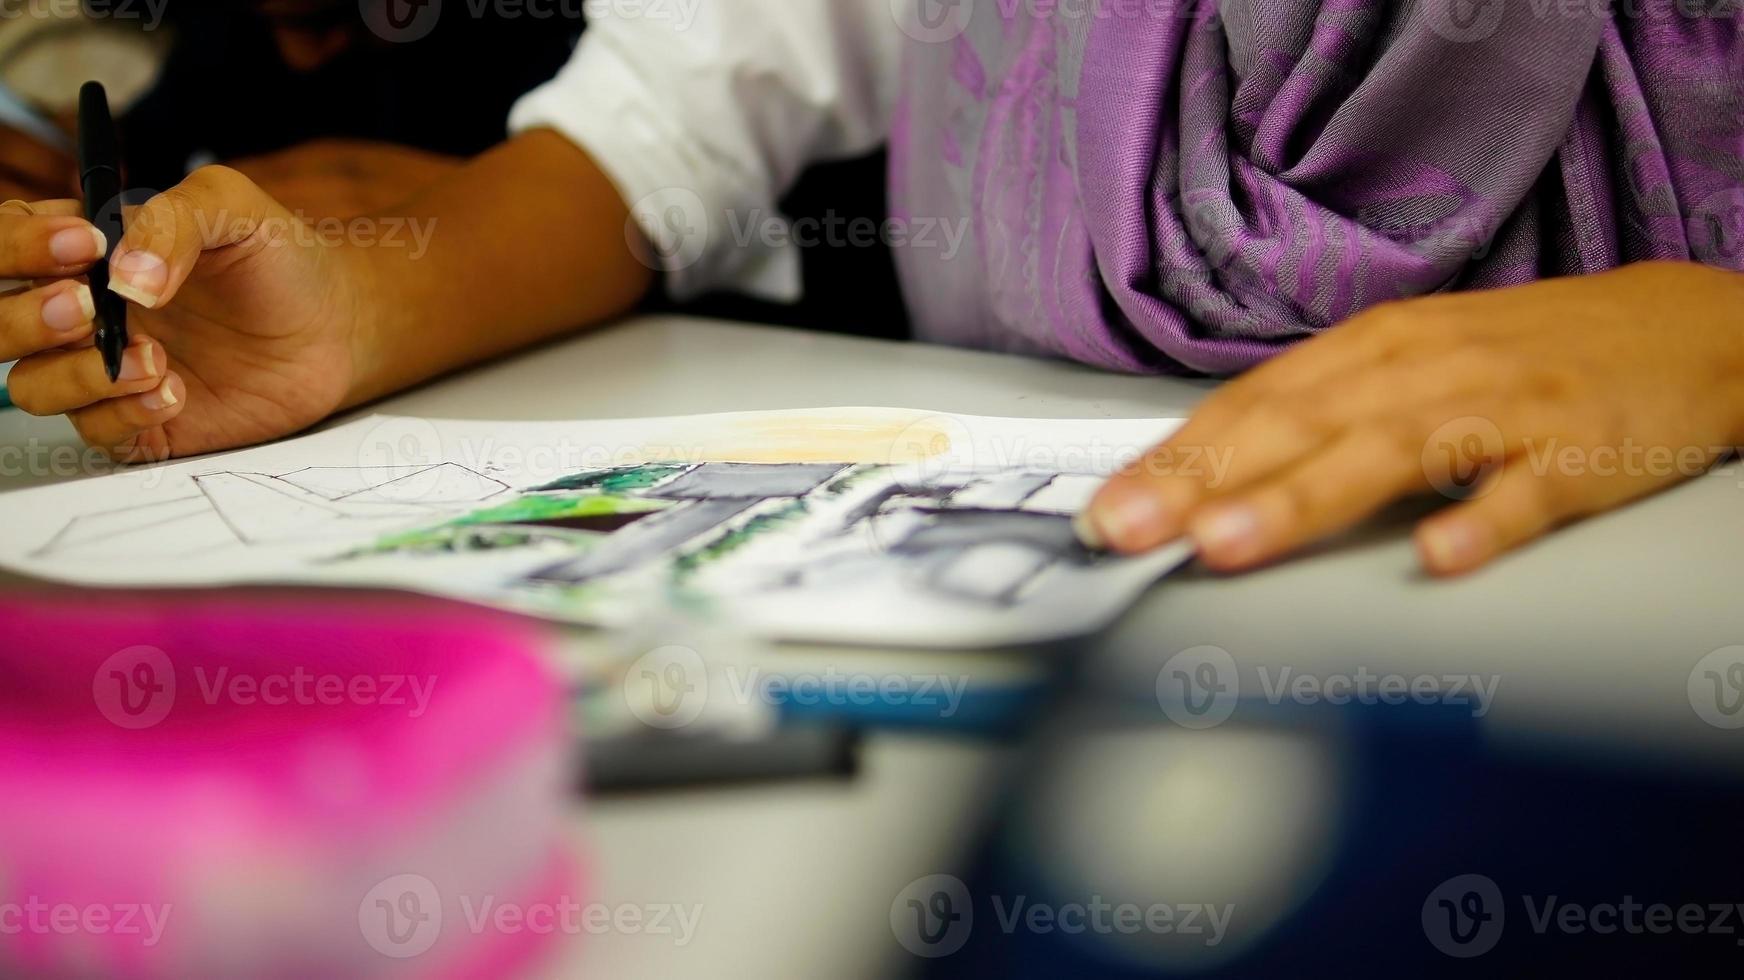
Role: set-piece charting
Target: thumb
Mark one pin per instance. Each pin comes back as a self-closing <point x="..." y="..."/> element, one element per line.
<point x="213" y="208"/>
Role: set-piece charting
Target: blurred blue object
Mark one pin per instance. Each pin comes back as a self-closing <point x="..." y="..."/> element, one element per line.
<point x="1328" y="842"/>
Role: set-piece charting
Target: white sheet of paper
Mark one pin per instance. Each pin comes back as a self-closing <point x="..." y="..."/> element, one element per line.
<point x="867" y="525"/>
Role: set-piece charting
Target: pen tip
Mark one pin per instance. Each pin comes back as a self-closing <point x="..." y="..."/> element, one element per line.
<point x="112" y="362"/>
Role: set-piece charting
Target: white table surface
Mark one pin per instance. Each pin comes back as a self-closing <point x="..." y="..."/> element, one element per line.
<point x="1591" y="635"/>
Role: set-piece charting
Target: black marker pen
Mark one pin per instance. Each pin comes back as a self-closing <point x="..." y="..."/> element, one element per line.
<point x="100" y="182"/>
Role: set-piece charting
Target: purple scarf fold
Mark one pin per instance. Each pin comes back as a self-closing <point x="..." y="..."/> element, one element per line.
<point x="1169" y="185"/>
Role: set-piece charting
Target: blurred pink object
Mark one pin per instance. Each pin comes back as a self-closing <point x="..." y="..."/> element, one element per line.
<point x="316" y="787"/>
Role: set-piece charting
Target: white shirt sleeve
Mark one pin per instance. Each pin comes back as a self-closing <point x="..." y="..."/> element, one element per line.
<point x="704" y="112"/>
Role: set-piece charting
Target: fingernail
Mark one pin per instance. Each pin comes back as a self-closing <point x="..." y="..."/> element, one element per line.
<point x="71" y="246"/>
<point x="140" y="277"/>
<point x="1449" y="546"/>
<point x="69" y="308"/>
<point x="1084" y="527"/>
<point x="161" y="397"/>
<point x="1128" y="517"/>
<point x="138" y="363"/>
<point x="1229" y="532"/>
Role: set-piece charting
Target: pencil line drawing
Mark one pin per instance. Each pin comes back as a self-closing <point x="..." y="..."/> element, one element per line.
<point x="246" y="509"/>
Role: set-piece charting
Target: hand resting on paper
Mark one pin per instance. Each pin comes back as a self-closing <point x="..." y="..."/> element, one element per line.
<point x="1536" y="404"/>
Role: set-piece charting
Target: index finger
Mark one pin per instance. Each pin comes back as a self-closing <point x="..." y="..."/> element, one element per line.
<point x="52" y="243"/>
<point x="1260" y="414"/>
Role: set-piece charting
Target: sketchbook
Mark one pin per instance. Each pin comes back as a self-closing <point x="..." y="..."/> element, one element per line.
<point x="864" y="525"/>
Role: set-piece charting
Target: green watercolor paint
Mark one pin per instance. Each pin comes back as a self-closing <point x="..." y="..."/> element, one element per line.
<point x="691" y="562"/>
<point x="495" y="528"/>
<point x="847" y="481"/>
<point x="525" y="510"/>
<point x="619" y="480"/>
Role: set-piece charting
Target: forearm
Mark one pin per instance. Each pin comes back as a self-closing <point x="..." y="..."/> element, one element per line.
<point x="342" y="178"/>
<point x="524" y="243"/>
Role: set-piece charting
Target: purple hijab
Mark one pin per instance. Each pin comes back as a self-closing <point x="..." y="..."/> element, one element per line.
<point x="1169" y="185"/>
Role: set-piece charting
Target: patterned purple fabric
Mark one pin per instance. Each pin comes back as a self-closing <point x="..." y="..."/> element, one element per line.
<point x="1169" y="185"/>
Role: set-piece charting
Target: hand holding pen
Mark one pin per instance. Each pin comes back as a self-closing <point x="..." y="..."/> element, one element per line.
<point x="246" y="325"/>
<point x="70" y="333"/>
<point x="183" y="304"/>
